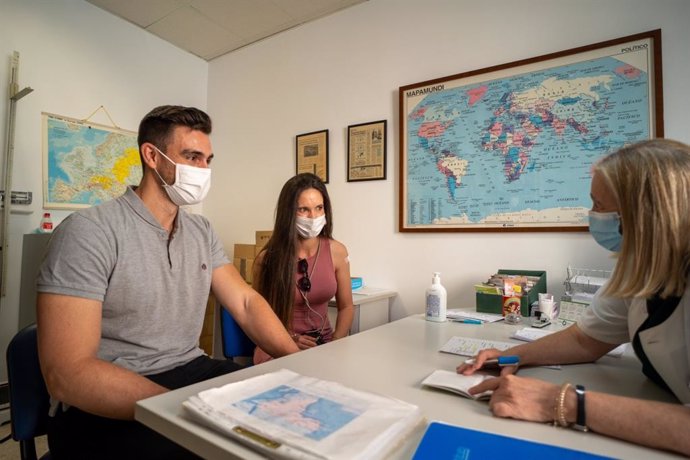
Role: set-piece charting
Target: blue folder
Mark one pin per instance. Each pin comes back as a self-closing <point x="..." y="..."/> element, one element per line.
<point x="443" y="441"/>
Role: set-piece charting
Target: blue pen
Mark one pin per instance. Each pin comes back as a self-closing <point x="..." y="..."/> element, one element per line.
<point x="471" y="321"/>
<point x="501" y="361"/>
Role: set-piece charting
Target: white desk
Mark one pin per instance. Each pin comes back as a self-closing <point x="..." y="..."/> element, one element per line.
<point x="372" y="308"/>
<point x="393" y="359"/>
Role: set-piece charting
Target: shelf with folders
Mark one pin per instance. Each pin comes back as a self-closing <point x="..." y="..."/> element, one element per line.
<point x="582" y="283"/>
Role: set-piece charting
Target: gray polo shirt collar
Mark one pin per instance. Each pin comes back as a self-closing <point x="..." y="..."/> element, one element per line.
<point x="134" y="201"/>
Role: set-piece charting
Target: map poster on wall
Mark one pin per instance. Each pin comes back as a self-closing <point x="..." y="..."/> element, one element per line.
<point x="510" y="147"/>
<point x="85" y="164"/>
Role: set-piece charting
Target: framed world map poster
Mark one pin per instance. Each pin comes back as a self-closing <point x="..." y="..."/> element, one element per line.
<point x="510" y="147"/>
<point x="85" y="164"/>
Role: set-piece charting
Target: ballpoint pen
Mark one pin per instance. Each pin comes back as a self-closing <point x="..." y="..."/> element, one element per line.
<point x="501" y="361"/>
<point x="471" y="321"/>
<point x="466" y="320"/>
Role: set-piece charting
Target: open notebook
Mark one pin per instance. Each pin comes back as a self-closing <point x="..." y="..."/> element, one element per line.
<point x="458" y="383"/>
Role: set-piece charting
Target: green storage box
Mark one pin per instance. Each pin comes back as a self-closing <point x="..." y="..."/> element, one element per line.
<point x="493" y="303"/>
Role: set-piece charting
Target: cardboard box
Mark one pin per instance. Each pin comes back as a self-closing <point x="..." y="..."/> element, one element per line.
<point x="493" y="303"/>
<point x="262" y="237"/>
<point x="244" y="251"/>
<point x="244" y="266"/>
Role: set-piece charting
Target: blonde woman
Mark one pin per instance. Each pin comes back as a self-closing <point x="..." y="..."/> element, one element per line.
<point x="641" y="209"/>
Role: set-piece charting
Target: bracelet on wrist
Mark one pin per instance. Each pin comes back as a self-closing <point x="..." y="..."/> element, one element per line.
<point x="559" y="417"/>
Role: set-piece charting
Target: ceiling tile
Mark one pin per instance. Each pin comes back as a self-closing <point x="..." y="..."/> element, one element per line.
<point x="190" y="30"/>
<point x="246" y="18"/>
<point x="141" y="13"/>
<point x="304" y="10"/>
<point x="211" y="28"/>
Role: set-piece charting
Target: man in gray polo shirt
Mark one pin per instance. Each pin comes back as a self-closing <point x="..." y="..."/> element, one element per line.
<point x="122" y="295"/>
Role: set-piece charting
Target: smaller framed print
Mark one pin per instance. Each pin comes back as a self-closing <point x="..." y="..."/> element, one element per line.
<point x="312" y="154"/>
<point x="366" y="151"/>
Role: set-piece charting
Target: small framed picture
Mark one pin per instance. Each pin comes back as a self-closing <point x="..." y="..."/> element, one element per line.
<point x="312" y="154"/>
<point x="366" y="151"/>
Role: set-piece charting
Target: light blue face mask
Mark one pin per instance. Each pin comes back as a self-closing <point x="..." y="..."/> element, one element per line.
<point x="605" y="229"/>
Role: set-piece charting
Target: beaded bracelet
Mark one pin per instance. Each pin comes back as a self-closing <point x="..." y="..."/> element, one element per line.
<point x="559" y="408"/>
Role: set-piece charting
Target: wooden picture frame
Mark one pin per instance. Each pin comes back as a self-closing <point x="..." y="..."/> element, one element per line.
<point x="510" y="147"/>
<point x="366" y="151"/>
<point x="312" y="154"/>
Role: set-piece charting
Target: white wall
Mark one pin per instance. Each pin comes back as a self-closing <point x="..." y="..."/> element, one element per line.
<point x="77" y="57"/>
<point x="340" y="70"/>
<point x="346" y="69"/>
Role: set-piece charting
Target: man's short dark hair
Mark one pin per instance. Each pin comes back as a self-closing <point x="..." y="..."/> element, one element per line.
<point x="157" y="126"/>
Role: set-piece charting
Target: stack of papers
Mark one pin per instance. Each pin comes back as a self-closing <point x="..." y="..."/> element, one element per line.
<point x="287" y="415"/>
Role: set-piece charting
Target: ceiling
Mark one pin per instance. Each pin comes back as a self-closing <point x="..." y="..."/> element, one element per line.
<point x="211" y="28"/>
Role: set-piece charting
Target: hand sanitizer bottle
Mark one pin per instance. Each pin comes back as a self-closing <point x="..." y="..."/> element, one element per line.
<point x="436" y="300"/>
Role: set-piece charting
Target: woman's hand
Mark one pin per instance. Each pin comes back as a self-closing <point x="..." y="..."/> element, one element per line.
<point x="304" y="342"/>
<point x="520" y="397"/>
<point x="479" y="360"/>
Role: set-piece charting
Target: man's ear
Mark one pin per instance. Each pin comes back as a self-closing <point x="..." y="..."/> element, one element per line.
<point x="149" y="154"/>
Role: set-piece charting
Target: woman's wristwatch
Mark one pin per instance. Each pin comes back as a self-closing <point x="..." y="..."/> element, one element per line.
<point x="581" y="421"/>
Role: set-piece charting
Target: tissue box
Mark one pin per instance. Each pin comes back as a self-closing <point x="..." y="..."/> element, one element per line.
<point x="493" y="303"/>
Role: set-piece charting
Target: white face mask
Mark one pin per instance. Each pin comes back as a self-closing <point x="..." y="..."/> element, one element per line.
<point x="191" y="183"/>
<point x="310" y="228"/>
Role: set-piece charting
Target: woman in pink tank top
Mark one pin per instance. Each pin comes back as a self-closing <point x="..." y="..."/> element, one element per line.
<point x="302" y="267"/>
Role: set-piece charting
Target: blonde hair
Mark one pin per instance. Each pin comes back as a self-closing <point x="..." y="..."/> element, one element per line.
<point x="650" y="181"/>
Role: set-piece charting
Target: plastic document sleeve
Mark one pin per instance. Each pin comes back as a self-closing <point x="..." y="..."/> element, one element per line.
<point x="287" y="415"/>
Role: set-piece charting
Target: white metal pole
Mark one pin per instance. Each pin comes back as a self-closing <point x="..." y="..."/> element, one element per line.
<point x="13" y="95"/>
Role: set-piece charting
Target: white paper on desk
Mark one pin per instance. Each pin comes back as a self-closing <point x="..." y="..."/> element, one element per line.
<point x="458" y="383"/>
<point x="309" y="418"/>
<point x="530" y="334"/>
<point x="460" y="314"/>
<point x="469" y="346"/>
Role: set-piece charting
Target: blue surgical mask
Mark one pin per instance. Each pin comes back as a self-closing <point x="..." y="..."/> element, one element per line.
<point x="605" y="228"/>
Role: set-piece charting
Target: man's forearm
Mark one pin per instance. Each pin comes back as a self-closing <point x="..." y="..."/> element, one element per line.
<point x="101" y="388"/>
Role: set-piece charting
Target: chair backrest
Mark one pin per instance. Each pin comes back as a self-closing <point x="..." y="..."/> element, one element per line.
<point x="236" y="344"/>
<point x="29" y="399"/>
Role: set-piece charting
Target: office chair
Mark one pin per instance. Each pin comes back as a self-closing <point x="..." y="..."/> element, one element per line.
<point x="236" y="344"/>
<point x="29" y="399"/>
